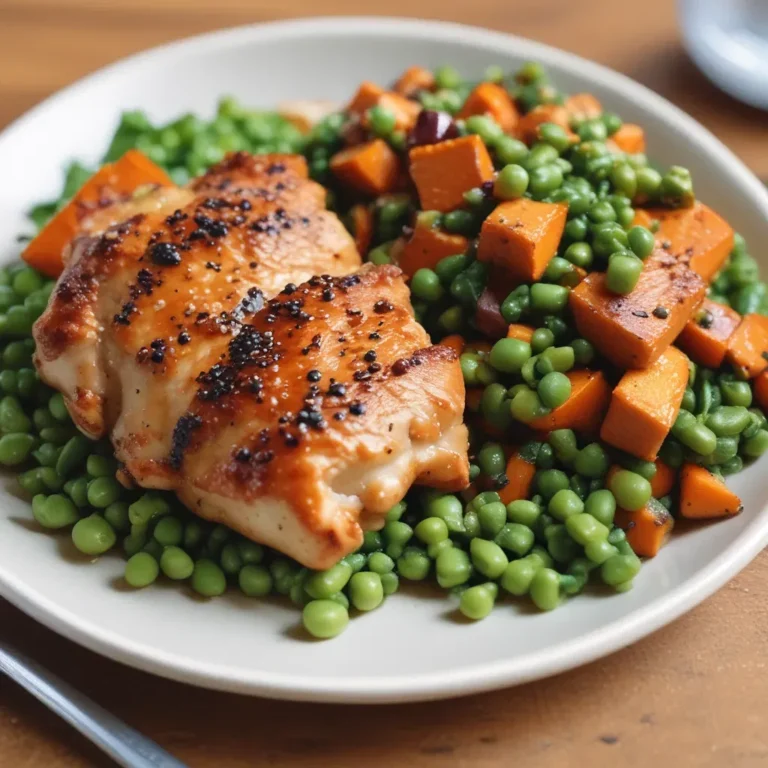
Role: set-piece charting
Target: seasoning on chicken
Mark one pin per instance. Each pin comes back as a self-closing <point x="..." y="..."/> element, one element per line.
<point x="329" y="404"/>
<point x="147" y="304"/>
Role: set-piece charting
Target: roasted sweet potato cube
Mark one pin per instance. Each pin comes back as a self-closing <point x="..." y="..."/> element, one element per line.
<point x="521" y="332"/>
<point x="583" y="106"/>
<point x="371" y="168"/>
<point x="663" y="481"/>
<point x="443" y="172"/>
<point x="705" y="336"/>
<point x="748" y="346"/>
<point x="520" y="474"/>
<point x="697" y="236"/>
<point x="522" y="236"/>
<point x="425" y="247"/>
<point x="492" y="100"/>
<point x="529" y="124"/>
<point x="702" y="495"/>
<point x="647" y="529"/>
<point x="413" y="80"/>
<point x="584" y="409"/>
<point x="630" y="138"/>
<point x="761" y="390"/>
<point x="644" y="405"/>
<point x="371" y="95"/>
<point x="625" y="328"/>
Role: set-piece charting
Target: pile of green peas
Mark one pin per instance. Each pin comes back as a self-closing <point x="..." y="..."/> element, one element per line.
<point x="476" y="547"/>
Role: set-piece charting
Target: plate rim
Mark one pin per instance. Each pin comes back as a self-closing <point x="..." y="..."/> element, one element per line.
<point x="602" y="640"/>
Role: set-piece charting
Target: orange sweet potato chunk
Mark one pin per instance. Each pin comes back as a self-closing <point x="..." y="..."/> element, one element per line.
<point x="663" y="481"/>
<point x="443" y="172"/>
<point x="522" y="236"/>
<point x="624" y="328"/>
<point x="362" y="225"/>
<point x="413" y="80"/>
<point x="425" y="247"/>
<point x="583" y="411"/>
<point x="707" y="344"/>
<point x="115" y="181"/>
<point x="748" y="346"/>
<point x="492" y="100"/>
<point x="456" y="342"/>
<point x="630" y="138"/>
<point x="371" y="168"/>
<point x="370" y="95"/>
<point x="529" y="124"/>
<point x="520" y="332"/>
<point x="696" y="236"/>
<point x="520" y="474"/>
<point x="583" y="106"/>
<point x="647" y="529"/>
<point x="644" y="405"/>
<point x="702" y="495"/>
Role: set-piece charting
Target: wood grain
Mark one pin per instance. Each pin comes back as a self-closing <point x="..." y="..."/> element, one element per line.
<point x="693" y="694"/>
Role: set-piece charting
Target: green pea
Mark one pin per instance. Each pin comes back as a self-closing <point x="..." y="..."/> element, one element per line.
<point x="169" y="531"/>
<point x="46" y="455"/>
<point x="491" y="517"/>
<point x="15" y="448"/>
<point x="381" y="120"/>
<point x="77" y="490"/>
<point x="372" y="542"/>
<point x="449" y="509"/>
<point x="365" y="590"/>
<point x="632" y="491"/>
<point x="141" y="570"/>
<point x="12" y="416"/>
<point x="461" y="222"/>
<point x="510" y="151"/>
<point x="561" y="359"/>
<point x="676" y="187"/>
<point x="426" y="285"/>
<point x="485" y="127"/>
<point x="431" y="530"/>
<point x="599" y="550"/>
<point x="511" y="182"/>
<point x="584" y="528"/>
<point x="545" y="458"/>
<point x="147" y="508"/>
<point x="549" y="298"/>
<point x="624" y="179"/>
<point x="516" y="538"/>
<point x="9" y="382"/>
<point x="518" y="576"/>
<point x="728" y="420"/>
<point x="591" y="461"/>
<point x="544" y="180"/>
<point x="641" y="241"/>
<point x="583" y="352"/>
<point x="540" y="155"/>
<point x="491" y="459"/>
<point x="576" y="230"/>
<point x="57" y="435"/>
<point x="494" y="406"/>
<point x="93" y="535"/>
<point x="54" y="511"/>
<point x="477" y="602"/>
<point x="413" y="564"/>
<point x="381" y="563"/>
<point x="208" y="579"/>
<point x="600" y="212"/>
<point x="488" y="558"/>
<point x="31" y="482"/>
<point x="250" y="552"/>
<point x="619" y="569"/>
<point x="73" y="455"/>
<point x="397" y="534"/>
<point x="554" y="389"/>
<point x="564" y="444"/>
<point x="560" y="544"/>
<point x="396" y="512"/>
<point x="725" y="449"/>
<point x="550" y="481"/>
<point x="542" y="339"/>
<point x="103" y="491"/>
<point x="509" y="355"/>
<point x="324" y="619"/>
<point x="697" y="437"/>
<point x="323" y="584"/>
<point x="452" y="567"/>
<point x="116" y="515"/>
<point x="732" y="466"/>
<point x="254" y="581"/>
<point x="379" y="256"/>
<point x="523" y="512"/>
<point x="448" y="268"/>
<point x="737" y="393"/>
<point x="545" y="589"/>
<point x="526" y="406"/>
<point x="100" y="466"/>
<point x="755" y="446"/>
<point x="601" y="504"/>
<point x="390" y="583"/>
<point x="176" y="564"/>
<point x="58" y="408"/>
<point x="623" y="273"/>
<point x="564" y="504"/>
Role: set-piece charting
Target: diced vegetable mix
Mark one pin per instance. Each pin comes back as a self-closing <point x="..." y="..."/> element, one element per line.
<point x="544" y="249"/>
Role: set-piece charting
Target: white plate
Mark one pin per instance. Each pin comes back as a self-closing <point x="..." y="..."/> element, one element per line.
<point x="411" y="648"/>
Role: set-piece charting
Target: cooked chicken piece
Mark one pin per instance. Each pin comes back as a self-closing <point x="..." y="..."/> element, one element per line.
<point x="329" y="404"/>
<point x="143" y="307"/>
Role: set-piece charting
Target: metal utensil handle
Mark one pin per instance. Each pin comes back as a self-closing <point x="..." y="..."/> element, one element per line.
<point x="121" y="742"/>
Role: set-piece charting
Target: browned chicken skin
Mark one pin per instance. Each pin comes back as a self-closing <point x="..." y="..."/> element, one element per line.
<point x="160" y="326"/>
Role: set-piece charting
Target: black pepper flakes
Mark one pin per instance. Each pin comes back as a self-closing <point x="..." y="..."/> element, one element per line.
<point x="370" y="356"/>
<point x="243" y="455"/>
<point x="164" y="254"/>
<point x="661" y="312"/>
<point x="357" y="408"/>
<point x="314" y="375"/>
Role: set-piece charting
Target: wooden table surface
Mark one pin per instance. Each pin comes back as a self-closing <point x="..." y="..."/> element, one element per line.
<point x="693" y="694"/>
